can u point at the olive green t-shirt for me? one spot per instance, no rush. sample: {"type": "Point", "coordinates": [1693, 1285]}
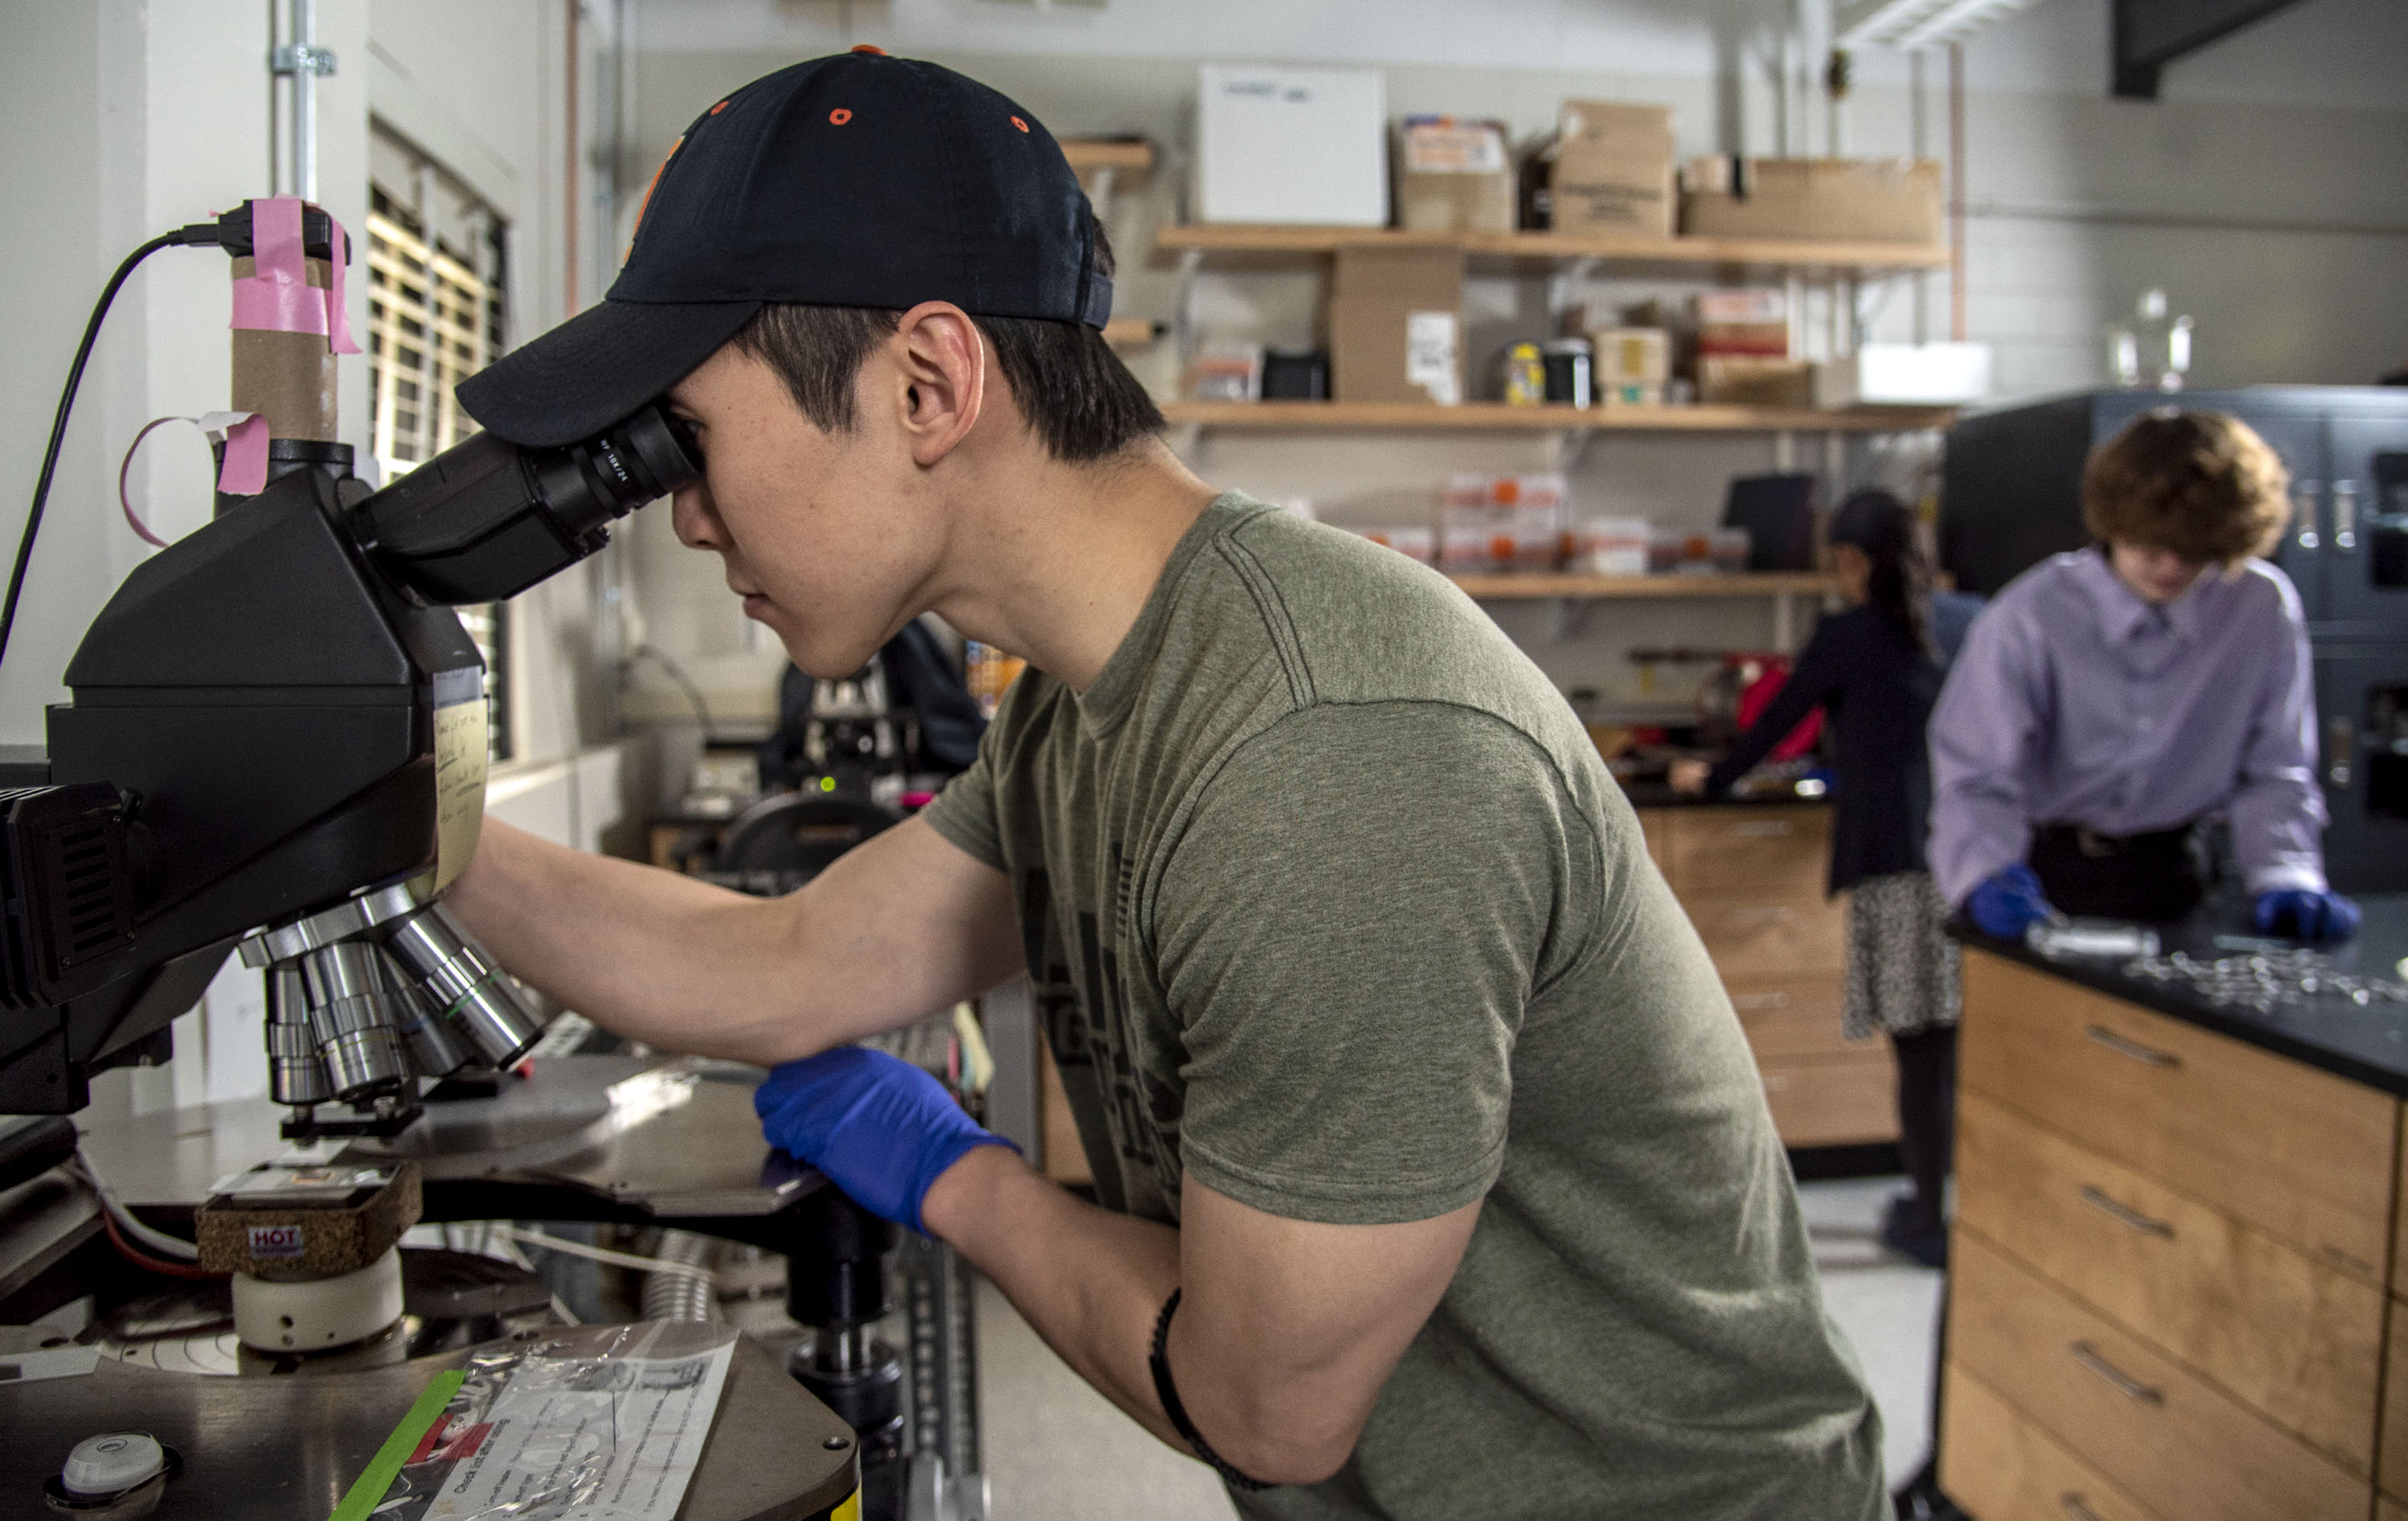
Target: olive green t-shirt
{"type": "Point", "coordinates": [1329, 903]}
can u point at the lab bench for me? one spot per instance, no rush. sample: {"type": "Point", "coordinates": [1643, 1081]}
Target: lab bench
{"type": "Point", "coordinates": [1751, 875]}
{"type": "Point", "coordinates": [2178, 1270]}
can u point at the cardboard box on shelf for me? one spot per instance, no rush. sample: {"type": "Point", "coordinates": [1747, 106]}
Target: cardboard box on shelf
{"type": "Point", "coordinates": [1743, 322]}
{"type": "Point", "coordinates": [1292, 145]}
{"type": "Point", "coordinates": [1737, 382]}
{"type": "Point", "coordinates": [1395, 326]}
{"type": "Point", "coordinates": [1454, 175]}
{"type": "Point", "coordinates": [1905, 375]}
{"type": "Point", "coordinates": [1609, 170]}
{"type": "Point", "coordinates": [1632, 365]}
{"type": "Point", "coordinates": [1864, 200]}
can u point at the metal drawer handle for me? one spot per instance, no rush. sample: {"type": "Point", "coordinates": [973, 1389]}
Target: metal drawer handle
{"type": "Point", "coordinates": [1763, 828]}
{"type": "Point", "coordinates": [2123, 1213]}
{"type": "Point", "coordinates": [1749, 1002]}
{"type": "Point", "coordinates": [2071, 1503]}
{"type": "Point", "coordinates": [2125, 1384]}
{"type": "Point", "coordinates": [1763, 916]}
{"type": "Point", "coordinates": [2133, 1048]}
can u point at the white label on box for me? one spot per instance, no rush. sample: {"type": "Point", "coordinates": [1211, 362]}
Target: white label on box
{"type": "Point", "coordinates": [276, 1240]}
{"type": "Point", "coordinates": [1454, 148]}
{"type": "Point", "coordinates": [1429, 355]}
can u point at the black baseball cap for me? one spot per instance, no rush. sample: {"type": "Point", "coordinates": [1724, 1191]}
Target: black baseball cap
{"type": "Point", "coordinates": [854, 180]}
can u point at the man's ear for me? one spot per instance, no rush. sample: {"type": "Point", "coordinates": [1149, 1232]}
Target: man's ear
{"type": "Point", "coordinates": [940, 384]}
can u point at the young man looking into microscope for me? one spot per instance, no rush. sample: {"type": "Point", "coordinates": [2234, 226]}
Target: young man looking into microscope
{"type": "Point", "coordinates": [1435, 1176]}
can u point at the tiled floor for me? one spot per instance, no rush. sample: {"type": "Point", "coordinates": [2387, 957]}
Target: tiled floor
{"type": "Point", "coordinates": [1055, 1451]}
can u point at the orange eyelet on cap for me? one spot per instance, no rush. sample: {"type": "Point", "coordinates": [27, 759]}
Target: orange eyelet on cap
{"type": "Point", "coordinates": [1020, 124]}
{"type": "Point", "coordinates": [870, 48]}
{"type": "Point", "coordinates": [839, 116]}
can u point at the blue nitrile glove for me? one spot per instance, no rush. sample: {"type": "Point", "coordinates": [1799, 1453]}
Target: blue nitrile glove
{"type": "Point", "coordinates": [2307, 914]}
{"type": "Point", "coordinates": [880, 1129]}
{"type": "Point", "coordinates": [2009, 903]}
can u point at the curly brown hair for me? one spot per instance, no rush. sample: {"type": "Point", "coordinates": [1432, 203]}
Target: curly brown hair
{"type": "Point", "coordinates": [2201, 485]}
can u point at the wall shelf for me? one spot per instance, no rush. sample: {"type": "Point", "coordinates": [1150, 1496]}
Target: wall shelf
{"type": "Point", "coordinates": [1334, 416]}
{"type": "Point", "coordinates": [1533, 584]}
{"type": "Point", "coordinates": [1234, 245]}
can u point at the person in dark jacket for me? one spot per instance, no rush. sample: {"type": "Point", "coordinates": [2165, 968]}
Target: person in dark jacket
{"type": "Point", "coordinates": [1876, 670]}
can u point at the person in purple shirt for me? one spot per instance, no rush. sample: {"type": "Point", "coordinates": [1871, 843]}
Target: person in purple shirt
{"type": "Point", "coordinates": [2112, 699]}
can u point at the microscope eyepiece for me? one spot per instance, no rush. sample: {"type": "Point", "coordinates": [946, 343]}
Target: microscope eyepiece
{"type": "Point", "coordinates": [486, 519]}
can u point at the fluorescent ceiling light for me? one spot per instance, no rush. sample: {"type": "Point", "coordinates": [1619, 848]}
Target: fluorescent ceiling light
{"type": "Point", "coordinates": [1917, 23]}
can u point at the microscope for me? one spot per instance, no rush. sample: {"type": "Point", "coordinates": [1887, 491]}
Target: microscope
{"type": "Point", "coordinates": [275, 748]}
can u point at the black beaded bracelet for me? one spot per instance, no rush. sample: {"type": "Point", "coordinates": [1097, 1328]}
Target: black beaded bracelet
{"type": "Point", "coordinates": [1168, 1392]}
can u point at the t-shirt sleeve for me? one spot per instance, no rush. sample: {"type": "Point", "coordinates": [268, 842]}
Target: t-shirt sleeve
{"type": "Point", "coordinates": [964, 813]}
{"type": "Point", "coordinates": [1348, 930]}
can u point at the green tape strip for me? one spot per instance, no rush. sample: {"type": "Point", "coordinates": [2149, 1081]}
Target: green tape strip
{"type": "Point", "coordinates": [378, 1477]}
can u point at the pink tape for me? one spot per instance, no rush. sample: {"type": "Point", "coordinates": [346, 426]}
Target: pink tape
{"type": "Point", "coordinates": [278, 297]}
{"type": "Point", "coordinates": [245, 471]}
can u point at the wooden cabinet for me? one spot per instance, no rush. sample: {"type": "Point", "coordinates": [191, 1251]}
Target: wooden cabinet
{"type": "Point", "coordinates": [1751, 876]}
{"type": "Point", "coordinates": [2169, 1271]}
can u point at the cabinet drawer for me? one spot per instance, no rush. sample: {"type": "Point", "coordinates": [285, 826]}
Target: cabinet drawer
{"type": "Point", "coordinates": [1795, 1016]}
{"type": "Point", "coordinates": [2283, 1333]}
{"type": "Point", "coordinates": [1831, 1101]}
{"type": "Point", "coordinates": [1769, 936]}
{"type": "Point", "coordinates": [2165, 1436]}
{"type": "Point", "coordinates": [2300, 1153]}
{"type": "Point", "coordinates": [2000, 1467]}
{"type": "Point", "coordinates": [1751, 852]}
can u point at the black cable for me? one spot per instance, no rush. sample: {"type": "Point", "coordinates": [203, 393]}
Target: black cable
{"type": "Point", "coordinates": [198, 233]}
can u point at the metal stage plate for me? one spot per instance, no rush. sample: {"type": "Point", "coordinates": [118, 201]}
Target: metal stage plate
{"type": "Point", "coordinates": [607, 1137]}
{"type": "Point", "coordinates": [286, 1449]}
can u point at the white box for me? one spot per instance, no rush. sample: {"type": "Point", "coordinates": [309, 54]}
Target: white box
{"type": "Point", "coordinates": [1292, 145]}
{"type": "Point", "coordinates": [1905, 375]}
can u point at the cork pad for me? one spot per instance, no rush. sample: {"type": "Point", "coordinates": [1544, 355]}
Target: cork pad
{"type": "Point", "coordinates": [292, 1240]}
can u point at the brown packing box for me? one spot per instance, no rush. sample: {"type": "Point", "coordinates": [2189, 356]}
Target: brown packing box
{"type": "Point", "coordinates": [1864, 200]}
{"type": "Point", "coordinates": [1395, 326]}
{"type": "Point", "coordinates": [1613, 169]}
{"type": "Point", "coordinates": [1756, 383]}
{"type": "Point", "coordinates": [1452, 176]}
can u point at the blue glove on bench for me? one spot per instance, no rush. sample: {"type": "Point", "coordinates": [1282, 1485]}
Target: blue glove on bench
{"type": "Point", "coordinates": [2009, 901]}
{"type": "Point", "coordinates": [880, 1129]}
{"type": "Point", "coordinates": [2307, 914]}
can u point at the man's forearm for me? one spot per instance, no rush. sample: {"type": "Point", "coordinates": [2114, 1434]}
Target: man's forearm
{"type": "Point", "coordinates": [1090, 1282]}
{"type": "Point", "coordinates": [909, 927]}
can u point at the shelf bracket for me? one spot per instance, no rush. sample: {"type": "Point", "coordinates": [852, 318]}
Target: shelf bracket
{"type": "Point", "coordinates": [1567, 280]}
{"type": "Point", "coordinates": [1565, 447]}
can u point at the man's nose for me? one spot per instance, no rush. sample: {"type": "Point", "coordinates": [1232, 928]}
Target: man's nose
{"type": "Point", "coordinates": [693, 518]}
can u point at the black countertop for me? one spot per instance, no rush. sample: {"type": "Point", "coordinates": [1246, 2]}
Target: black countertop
{"type": "Point", "coordinates": [2364, 1042]}
{"type": "Point", "coordinates": [1660, 795]}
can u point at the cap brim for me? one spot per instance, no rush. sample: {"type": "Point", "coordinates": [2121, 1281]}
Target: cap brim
{"type": "Point", "coordinates": [597, 368]}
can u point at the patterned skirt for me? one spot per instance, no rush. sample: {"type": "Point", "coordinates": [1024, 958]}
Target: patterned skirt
{"type": "Point", "coordinates": [1901, 964]}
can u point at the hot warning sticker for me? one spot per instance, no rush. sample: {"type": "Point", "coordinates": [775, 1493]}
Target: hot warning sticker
{"type": "Point", "coordinates": [276, 1240]}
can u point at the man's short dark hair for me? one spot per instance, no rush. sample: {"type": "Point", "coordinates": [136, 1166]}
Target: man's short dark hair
{"type": "Point", "coordinates": [1068, 383]}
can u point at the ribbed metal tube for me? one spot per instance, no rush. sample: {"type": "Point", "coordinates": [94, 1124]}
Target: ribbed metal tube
{"type": "Point", "coordinates": [675, 1295]}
